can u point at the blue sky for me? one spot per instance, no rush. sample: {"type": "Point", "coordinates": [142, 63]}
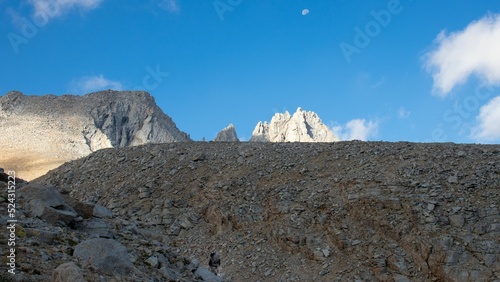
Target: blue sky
{"type": "Point", "coordinates": [424, 71]}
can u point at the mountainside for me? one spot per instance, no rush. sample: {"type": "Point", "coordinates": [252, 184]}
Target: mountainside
{"type": "Point", "coordinates": [41, 132]}
{"type": "Point", "coordinates": [227, 134]}
{"type": "Point", "coordinates": [302, 126]}
{"type": "Point", "coordinates": [342, 211]}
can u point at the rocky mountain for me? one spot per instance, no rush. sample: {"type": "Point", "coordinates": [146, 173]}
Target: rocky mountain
{"type": "Point", "coordinates": [341, 211]}
{"type": "Point", "coordinates": [42, 132]}
{"type": "Point", "coordinates": [227, 134]}
{"type": "Point", "coordinates": [302, 126]}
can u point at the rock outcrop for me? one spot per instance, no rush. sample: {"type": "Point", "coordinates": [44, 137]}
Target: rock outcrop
{"type": "Point", "coordinates": [45, 202]}
{"type": "Point", "coordinates": [302, 126]}
{"type": "Point", "coordinates": [227, 134]}
{"type": "Point", "coordinates": [341, 211]}
{"type": "Point", "coordinates": [41, 132]}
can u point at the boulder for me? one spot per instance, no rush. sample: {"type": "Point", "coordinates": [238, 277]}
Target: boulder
{"type": "Point", "coordinates": [107, 255]}
{"type": "Point", "coordinates": [102, 212]}
{"type": "Point", "coordinates": [68, 272]}
{"type": "Point", "coordinates": [84, 209]}
{"type": "Point", "coordinates": [153, 261]}
{"type": "Point", "coordinates": [206, 275]}
{"type": "Point", "coordinates": [45, 202]}
{"type": "Point", "coordinates": [41, 236]}
{"type": "Point", "coordinates": [170, 274]}
{"type": "Point", "coordinates": [97, 227]}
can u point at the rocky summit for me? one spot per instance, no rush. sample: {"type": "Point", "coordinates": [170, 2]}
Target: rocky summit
{"type": "Point", "coordinates": [341, 211]}
{"type": "Point", "coordinates": [40, 133]}
{"type": "Point", "coordinates": [302, 126]}
{"type": "Point", "coordinates": [227, 134]}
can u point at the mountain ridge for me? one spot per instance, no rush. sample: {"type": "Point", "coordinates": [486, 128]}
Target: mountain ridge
{"type": "Point", "coordinates": [49, 130]}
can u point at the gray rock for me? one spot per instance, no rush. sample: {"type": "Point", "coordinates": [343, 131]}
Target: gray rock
{"type": "Point", "coordinates": [355, 242]}
{"type": "Point", "coordinates": [41, 236]}
{"type": "Point", "coordinates": [199, 156]}
{"type": "Point", "coordinates": [45, 202]}
{"type": "Point", "coordinates": [318, 255]}
{"type": "Point", "coordinates": [41, 196]}
{"type": "Point", "coordinates": [193, 265]}
{"type": "Point", "coordinates": [163, 261]}
{"type": "Point", "coordinates": [227, 134]}
{"type": "Point", "coordinates": [457, 220]}
{"type": "Point", "coordinates": [68, 272]}
{"type": "Point", "coordinates": [175, 228]}
{"type": "Point", "coordinates": [153, 261]}
{"type": "Point", "coordinates": [206, 275]}
{"type": "Point", "coordinates": [108, 255]}
{"type": "Point", "coordinates": [453, 179]}
{"type": "Point", "coordinates": [97, 227]}
{"type": "Point", "coordinates": [44, 256]}
{"type": "Point", "coordinates": [326, 252]}
{"type": "Point", "coordinates": [185, 223]}
{"type": "Point", "coordinates": [400, 278]}
{"type": "Point", "coordinates": [170, 274]}
{"type": "Point", "coordinates": [85, 210]}
{"type": "Point", "coordinates": [102, 212]}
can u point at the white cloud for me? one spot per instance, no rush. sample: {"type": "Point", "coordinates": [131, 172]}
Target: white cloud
{"type": "Point", "coordinates": [89, 84]}
{"type": "Point", "coordinates": [472, 51]}
{"type": "Point", "coordinates": [356, 129]}
{"type": "Point", "coordinates": [488, 128]}
{"type": "Point", "coordinates": [403, 113]}
{"type": "Point", "coordinates": [305, 12]}
{"type": "Point", "coordinates": [49, 9]}
{"type": "Point", "coordinates": [171, 6]}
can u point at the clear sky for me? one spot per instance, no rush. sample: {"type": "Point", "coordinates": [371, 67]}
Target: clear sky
{"type": "Point", "coordinates": [421, 70]}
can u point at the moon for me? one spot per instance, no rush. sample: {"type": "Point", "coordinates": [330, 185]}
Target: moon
{"type": "Point", "coordinates": [305, 12]}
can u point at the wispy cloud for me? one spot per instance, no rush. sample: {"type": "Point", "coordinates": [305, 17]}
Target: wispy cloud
{"type": "Point", "coordinates": [488, 122]}
{"type": "Point", "coordinates": [356, 129]}
{"type": "Point", "coordinates": [458, 55]}
{"type": "Point", "coordinates": [365, 81]}
{"type": "Point", "coordinates": [378, 83]}
{"type": "Point", "coordinates": [171, 6]}
{"type": "Point", "coordinates": [50, 9]}
{"type": "Point", "coordinates": [89, 84]}
{"type": "Point", "coordinates": [403, 113]}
